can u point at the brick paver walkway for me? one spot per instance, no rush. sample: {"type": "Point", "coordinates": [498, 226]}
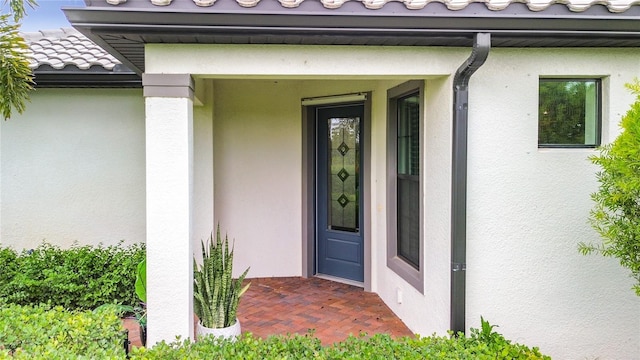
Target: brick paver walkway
{"type": "Point", "coordinates": [296, 305]}
{"type": "Point", "coordinates": [334, 310]}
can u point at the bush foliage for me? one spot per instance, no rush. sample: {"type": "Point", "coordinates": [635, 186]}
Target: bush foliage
{"type": "Point", "coordinates": [82, 277]}
{"type": "Point", "coordinates": [616, 214]}
{"type": "Point", "coordinates": [42, 332]}
{"type": "Point", "coordinates": [481, 344]}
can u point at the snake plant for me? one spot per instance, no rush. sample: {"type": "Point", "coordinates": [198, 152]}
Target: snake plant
{"type": "Point", "coordinates": [215, 292]}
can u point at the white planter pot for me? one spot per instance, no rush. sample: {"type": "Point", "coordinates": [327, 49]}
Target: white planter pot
{"type": "Point", "coordinates": [230, 332]}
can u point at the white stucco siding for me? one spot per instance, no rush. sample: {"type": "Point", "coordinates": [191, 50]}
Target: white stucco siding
{"type": "Point", "coordinates": [257, 141]}
{"type": "Point", "coordinates": [302, 61]}
{"type": "Point", "coordinates": [427, 312]}
{"type": "Point", "coordinates": [203, 207]}
{"type": "Point", "coordinates": [73, 168]}
{"type": "Point", "coordinates": [528, 209]}
{"type": "Point", "coordinates": [257, 166]}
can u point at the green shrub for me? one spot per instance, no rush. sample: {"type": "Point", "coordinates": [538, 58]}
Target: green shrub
{"type": "Point", "coordinates": [7, 271]}
{"type": "Point", "coordinates": [247, 347]}
{"type": "Point", "coordinates": [616, 214]}
{"type": "Point", "coordinates": [82, 277]}
{"type": "Point", "coordinates": [481, 344]}
{"type": "Point", "coordinates": [41, 332]}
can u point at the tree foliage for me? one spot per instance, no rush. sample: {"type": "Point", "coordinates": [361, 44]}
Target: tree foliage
{"type": "Point", "coordinates": [616, 214]}
{"type": "Point", "coordinates": [16, 79]}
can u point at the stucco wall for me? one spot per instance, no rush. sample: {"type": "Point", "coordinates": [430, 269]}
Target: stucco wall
{"type": "Point", "coordinates": [258, 176]}
{"type": "Point", "coordinates": [257, 166]}
{"type": "Point", "coordinates": [72, 169]}
{"type": "Point", "coordinates": [258, 163]}
{"type": "Point", "coordinates": [257, 199]}
{"type": "Point", "coordinates": [426, 312]}
{"type": "Point", "coordinates": [528, 209]}
{"type": "Point", "coordinates": [203, 207]}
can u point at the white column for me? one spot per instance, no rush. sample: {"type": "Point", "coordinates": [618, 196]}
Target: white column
{"type": "Point", "coordinates": [169, 171]}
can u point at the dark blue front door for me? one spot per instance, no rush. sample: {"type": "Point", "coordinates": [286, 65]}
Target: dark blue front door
{"type": "Point", "coordinates": [339, 240]}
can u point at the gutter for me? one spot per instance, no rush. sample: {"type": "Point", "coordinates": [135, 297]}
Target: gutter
{"type": "Point", "coordinates": [96, 76]}
{"type": "Point", "coordinates": [481, 47]}
{"type": "Point", "coordinates": [74, 79]}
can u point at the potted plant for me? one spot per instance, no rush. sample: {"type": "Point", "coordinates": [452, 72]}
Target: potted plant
{"type": "Point", "coordinates": [215, 293]}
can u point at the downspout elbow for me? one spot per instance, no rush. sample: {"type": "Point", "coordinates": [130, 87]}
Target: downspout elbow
{"type": "Point", "coordinates": [479, 54]}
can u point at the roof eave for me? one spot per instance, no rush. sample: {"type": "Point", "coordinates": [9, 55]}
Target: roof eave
{"type": "Point", "coordinates": [124, 31]}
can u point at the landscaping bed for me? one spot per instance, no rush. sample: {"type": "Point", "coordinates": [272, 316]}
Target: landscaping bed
{"type": "Point", "coordinates": [43, 332]}
{"type": "Point", "coordinates": [52, 307]}
{"type": "Point", "coordinates": [380, 346]}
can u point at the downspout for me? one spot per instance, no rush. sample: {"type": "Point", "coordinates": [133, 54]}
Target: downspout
{"type": "Point", "coordinates": [481, 47]}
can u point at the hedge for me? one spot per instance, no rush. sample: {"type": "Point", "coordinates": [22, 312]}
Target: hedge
{"type": "Point", "coordinates": [43, 332]}
{"type": "Point", "coordinates": [481, 344]}
{"type": "Point", "coordinates": [82, 277]}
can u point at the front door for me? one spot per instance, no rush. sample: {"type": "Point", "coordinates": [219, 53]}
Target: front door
{"type": "Point", "coordinates": [339, 191]}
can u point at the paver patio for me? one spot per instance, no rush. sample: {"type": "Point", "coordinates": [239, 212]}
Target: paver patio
{"type": "Point", "coordinates": [296, 305]}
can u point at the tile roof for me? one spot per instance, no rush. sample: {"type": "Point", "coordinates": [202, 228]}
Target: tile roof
{"type": "Point", "coordinates": [67, 49]}
{"type": "Point", "coordinates": [615, 6]}
{"type": "Point", "coordinates": [126, 26]}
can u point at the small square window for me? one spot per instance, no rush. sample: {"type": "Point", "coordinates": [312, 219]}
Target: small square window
{"type": "Point", "coordinates": [569, 113]}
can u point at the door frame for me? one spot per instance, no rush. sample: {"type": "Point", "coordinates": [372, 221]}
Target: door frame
{"type": "Point", "coordinates": [309, 178]}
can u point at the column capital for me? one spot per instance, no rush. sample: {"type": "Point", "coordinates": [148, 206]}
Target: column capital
{"type": "Point", "coordinates": [168, 85]}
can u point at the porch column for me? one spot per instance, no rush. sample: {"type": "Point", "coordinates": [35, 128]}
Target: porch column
{"type": "Point", "coordinates": [169, 171]}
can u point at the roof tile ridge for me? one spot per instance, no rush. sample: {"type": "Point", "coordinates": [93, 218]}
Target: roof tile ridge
{"type": "Point", "coordinates": [614, 6]}
{"type": "Point", "coordinates": [50, 34]}
{"type": "Point", "coordinates": [32, 36]}
{"type": "Point", "coordinates": [619, 6]}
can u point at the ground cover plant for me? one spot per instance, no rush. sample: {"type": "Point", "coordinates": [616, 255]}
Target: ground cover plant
{"type": "Point", "coordinates": [81, 277]}
{"type": "Point", "coordinates": [44, 332]}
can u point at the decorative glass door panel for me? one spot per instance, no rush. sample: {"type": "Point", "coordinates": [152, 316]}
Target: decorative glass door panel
{"type": "Point", "coordinates": [344, 159]}
{"type": "Point", "coordinates": [339, 241]}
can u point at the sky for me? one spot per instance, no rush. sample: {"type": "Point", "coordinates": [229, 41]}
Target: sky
{"type": "Point", "coordinates": [47, 15]}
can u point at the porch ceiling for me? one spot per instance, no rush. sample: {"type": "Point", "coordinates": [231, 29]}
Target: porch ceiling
{"type": "Point", "coordinates": [124, 29]}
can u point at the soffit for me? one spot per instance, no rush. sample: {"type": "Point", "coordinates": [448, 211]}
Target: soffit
{"type": "Point", "coordinates": [125, 27]}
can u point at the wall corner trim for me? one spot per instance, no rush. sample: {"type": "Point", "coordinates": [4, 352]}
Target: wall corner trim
{"type": "Point", "coordinates": [168, 85]}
